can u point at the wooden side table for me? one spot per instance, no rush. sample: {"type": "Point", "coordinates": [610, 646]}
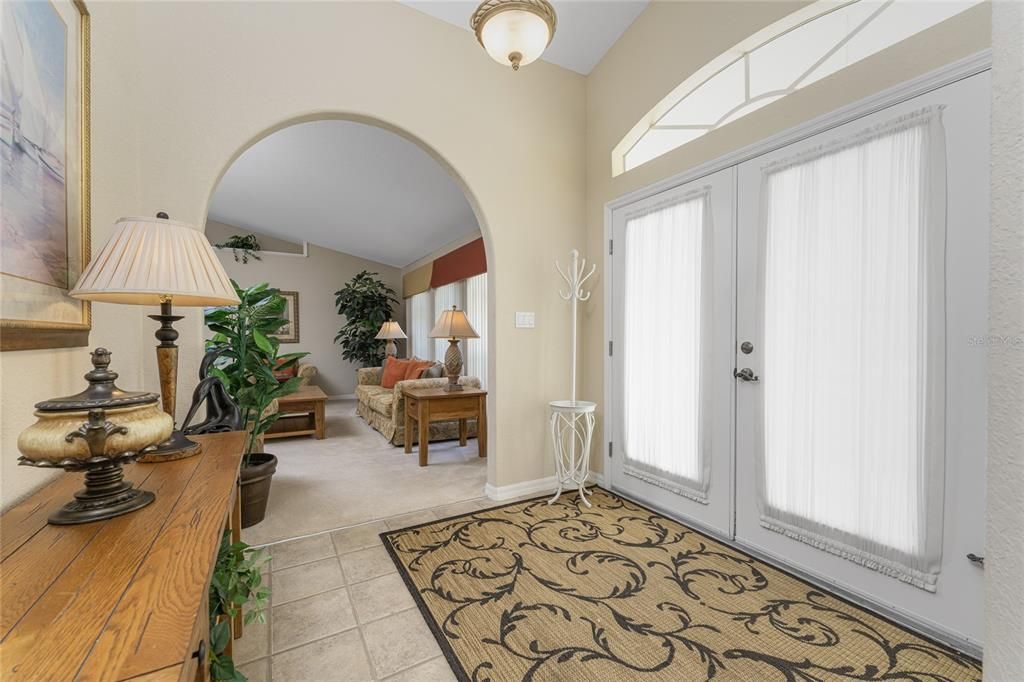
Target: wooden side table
{"type": "Point", "coordinates": [123, 598]}
{"type": "Point", "coordinates": [427, 405]}
{"type": "Point", "coordinates": [302, 414]}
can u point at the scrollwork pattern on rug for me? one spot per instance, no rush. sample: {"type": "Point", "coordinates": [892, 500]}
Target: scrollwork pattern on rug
{"type": "Point", "coordinates": [537, 592]}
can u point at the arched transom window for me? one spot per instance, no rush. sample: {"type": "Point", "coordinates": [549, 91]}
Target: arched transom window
{"type": "Point", "coordinates": [794, 52]}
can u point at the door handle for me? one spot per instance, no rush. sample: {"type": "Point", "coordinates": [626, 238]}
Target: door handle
{"type": "Point", "coordinates": [746, 374]}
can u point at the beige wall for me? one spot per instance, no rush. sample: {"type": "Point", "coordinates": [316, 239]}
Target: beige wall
{"type": "Point", "coordinates": [531, 149]}
{"type": "Point", "coordinates": [27, 377]}
{"type": "Point", "coordinates": [1004, 546]}
{"type": "Point", "coordinates": [170, 120]}
{"type": "Point", "coordinates": [650, 59]}
{"type": "Point", "coordinates": [167, 122]}
{"type": "Point", "coordinates": [316, 277]}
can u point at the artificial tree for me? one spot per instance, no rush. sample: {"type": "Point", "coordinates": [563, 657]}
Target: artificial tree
{"type": "Point", "coordinates": [249, 356]}
{"type": "Point", "coordinates": [367, 303]}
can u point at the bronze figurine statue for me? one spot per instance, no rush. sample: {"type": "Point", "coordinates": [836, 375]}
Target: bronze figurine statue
{"type": "Point", "coordinates": [222, 412]}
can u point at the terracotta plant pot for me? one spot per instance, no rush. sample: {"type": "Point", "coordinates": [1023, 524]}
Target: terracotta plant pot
{"type": "Point", "coordinates": [256, 487]}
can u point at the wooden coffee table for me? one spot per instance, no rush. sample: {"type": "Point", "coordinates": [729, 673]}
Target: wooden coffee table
{"type": "Point", "coordinates": [427, 405]}
{"type": "Point", "coordinates": [302, 414]}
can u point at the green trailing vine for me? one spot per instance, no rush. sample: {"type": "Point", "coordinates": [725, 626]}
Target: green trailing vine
{"type": "Point", "coordinates": [245, 244]}
{"type": "Point", "coordinates": [237, 581]}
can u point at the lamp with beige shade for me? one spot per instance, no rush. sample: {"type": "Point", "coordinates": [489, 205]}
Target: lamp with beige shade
{"type": "Point", "coordinates": [390, 331]}
{"type": "Point", "coordinates": [453, 325]}
{"type": "Point", "coordinates": [156, 261]}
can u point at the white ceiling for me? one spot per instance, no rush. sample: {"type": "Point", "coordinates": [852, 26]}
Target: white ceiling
{"type": "Point", "coordinates": [346, 186]}
{"type": "Point", "coordinates": [585, 29]}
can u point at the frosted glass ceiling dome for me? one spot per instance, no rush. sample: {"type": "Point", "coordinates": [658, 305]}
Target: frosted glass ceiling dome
{"type": "Point", "coordinates": [514, 32]}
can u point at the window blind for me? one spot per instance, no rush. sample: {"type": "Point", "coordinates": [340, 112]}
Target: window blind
{"type": "Point", "coordinates": [476, 310]}
{"type": "Point", "coordinates": [421, 321]}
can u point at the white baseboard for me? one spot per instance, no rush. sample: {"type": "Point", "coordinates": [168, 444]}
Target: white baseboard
{"type": "Point", "coordinates": [539, 485]}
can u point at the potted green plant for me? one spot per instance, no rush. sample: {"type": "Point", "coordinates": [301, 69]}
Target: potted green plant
{"type": "Point", "coordinates": [237, 580]}
{"type": "Point", "coordinates": [249, 356]}
{"type": "Point", "coordinates": [367, 303]}
{"type": "Point", "coordinates": [247, 244]}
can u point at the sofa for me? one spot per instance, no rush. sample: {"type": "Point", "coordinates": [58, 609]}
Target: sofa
{"type": "Point", "coordinates": [384, 408]}
{"type": "Point", "coordinates": [306, 371]}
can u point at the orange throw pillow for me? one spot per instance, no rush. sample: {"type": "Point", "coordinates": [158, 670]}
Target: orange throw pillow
{"type": "Point", "coordinates": [416, 368]}
{"type": "Point", "coordinates": [394, 371]}
{"type": "Point", "coordinates": [284, 375]}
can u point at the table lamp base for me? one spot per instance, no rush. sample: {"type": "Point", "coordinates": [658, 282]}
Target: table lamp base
{"type": "Point", "coordinates": [177, 446]}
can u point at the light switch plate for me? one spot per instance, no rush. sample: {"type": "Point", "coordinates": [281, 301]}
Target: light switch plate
{"type": "Point", "coordinates": [526, 320]}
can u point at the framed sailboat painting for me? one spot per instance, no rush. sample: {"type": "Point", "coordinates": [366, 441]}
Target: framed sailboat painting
{"type": "Point", "coordinates": [44, 156]}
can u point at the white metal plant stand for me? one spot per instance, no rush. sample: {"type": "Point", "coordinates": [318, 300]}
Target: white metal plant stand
{"type": "Point", "coordinates": [572, 421]}
{"type": "Point", "coordinates": [572, 426]}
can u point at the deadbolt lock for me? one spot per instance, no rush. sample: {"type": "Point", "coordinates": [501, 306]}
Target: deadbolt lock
{"type": "Point", "coordinates": [747, 347]}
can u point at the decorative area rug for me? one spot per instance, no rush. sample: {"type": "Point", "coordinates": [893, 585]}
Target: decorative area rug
{"type": "Point", "coordinates": [617, 592]}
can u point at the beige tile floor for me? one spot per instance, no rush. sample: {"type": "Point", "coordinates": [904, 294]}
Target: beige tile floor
{"type": "Point", "coordinates": [354, 476]}
{"type": "Point", "coordinates": [340, 611]}
{"type": "Point", "coordinates": [338, 608]}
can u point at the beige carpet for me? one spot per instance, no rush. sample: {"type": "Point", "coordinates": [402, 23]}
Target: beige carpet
{"type": "Point", "coordinates": [529, 591]}
{"type": "Point", "coordinates": [354, 475]}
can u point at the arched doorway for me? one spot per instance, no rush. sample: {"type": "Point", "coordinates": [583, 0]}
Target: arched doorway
{"type": "Point", "coordinates": [283, 528]}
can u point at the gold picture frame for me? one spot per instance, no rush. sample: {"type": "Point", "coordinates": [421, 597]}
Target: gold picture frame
{"type": "Point", "coordinates": [35, 311]}
{"type": "Point", "coordinates": [290, 332]}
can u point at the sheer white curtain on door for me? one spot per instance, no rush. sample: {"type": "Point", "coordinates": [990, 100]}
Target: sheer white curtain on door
{"type": "Point", "coordinates": [421, 321]}
{"type": "Point", "coordinates": [666, 347]}
{"type": "Point", "coordinates": [475, 350]}
{"type": "Point", "coordinates": [444, 298]}
{"type": "Point", "coordinates": [851, 424]}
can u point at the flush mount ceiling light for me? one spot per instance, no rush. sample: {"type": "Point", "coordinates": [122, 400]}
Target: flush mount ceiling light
{"type": "Point", "coordinates": [514, 32]}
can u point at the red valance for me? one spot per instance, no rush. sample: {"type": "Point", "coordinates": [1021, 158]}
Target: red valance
{"type": "Point", "coordinates": [466, 261]}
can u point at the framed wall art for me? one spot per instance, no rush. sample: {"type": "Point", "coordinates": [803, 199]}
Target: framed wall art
{"type": "Point", "coordinates": [289, 333]}
{"type": "Point", "coordinates": [44, 155]}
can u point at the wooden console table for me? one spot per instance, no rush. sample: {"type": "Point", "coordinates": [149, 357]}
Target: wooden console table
{"type": "Point", "coordinates": [125, 598]}
{"type": "Point", "coordinates": [427, 405]}
{"type": "Point", "coordinates": [302, 414]}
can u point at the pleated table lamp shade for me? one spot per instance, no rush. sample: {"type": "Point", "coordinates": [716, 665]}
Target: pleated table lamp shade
{"type": "Point", "coordinates": [390, 330]}
{"type": "Point", "coordinates": [155, 261]}
{"type": "Point", "coordinates": [148, 260]}
{"type": "Point", "coordinates": [453, 324]}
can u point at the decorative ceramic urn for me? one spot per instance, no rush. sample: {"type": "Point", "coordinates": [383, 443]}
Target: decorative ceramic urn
{"type": "Point", "coordinates": [96, 431]}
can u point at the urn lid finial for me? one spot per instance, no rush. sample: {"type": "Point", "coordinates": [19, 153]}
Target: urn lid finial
{"type": "Point", "coordinates": [102, 392]}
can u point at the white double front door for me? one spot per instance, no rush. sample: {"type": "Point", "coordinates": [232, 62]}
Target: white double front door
{"type": "Point", "coordinates": [797, 355]}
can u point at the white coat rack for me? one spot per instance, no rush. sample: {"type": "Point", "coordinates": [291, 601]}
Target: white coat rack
{"type": "Point", "coordinates": [572, 421]}
{"type": "Point", "coordinates": [574, 294]}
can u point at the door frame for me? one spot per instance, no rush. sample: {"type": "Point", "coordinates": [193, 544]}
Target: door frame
{"type": "Point", "coordinates": [933, 80]}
